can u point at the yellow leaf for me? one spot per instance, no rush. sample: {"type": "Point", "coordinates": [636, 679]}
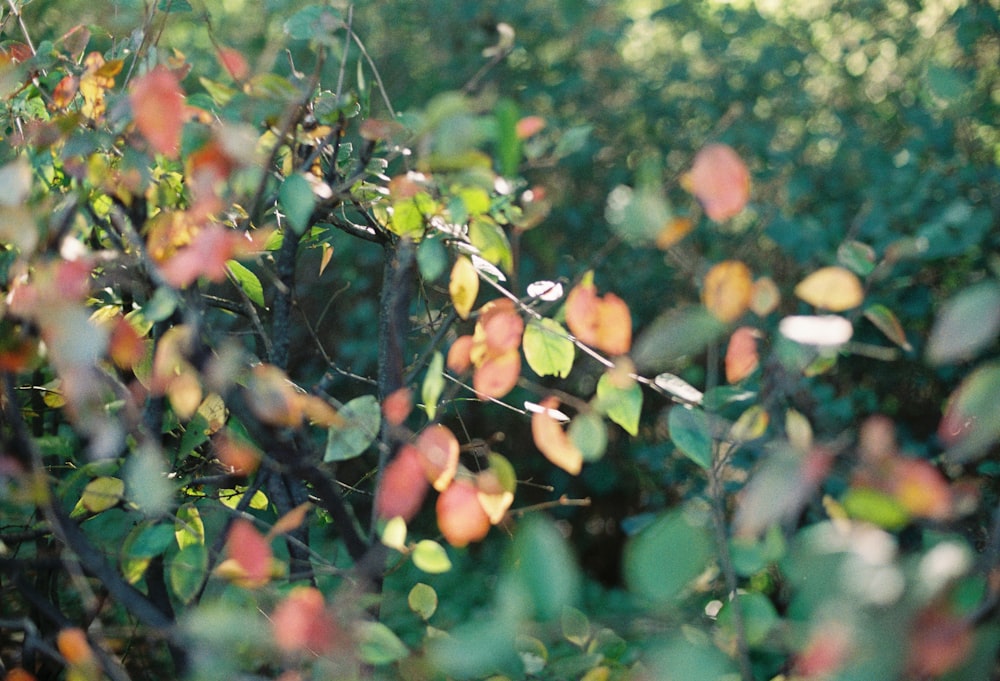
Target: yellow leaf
{"type": "Point", "coordinates": [463, 286]}
{"type": "Point", "coordinates": [727, 289]}
{"type": "Point", "coordinates": [100, 494]}
{"type": "Point", "coordinates": [832, 288]}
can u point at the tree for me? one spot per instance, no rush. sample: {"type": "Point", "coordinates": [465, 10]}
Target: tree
{"type": "Point", "coordinates": [276, 357]}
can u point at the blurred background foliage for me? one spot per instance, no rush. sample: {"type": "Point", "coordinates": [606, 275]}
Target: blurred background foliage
{"type": "Point", "coordinates": [872, 122]}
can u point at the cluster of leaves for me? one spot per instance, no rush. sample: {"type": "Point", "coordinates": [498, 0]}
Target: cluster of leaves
{"type": "Point", "coordinates": [182, 483]}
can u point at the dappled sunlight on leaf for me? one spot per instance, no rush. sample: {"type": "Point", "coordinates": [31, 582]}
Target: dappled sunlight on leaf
{"type": "Point", "coordinates": [463, 286]}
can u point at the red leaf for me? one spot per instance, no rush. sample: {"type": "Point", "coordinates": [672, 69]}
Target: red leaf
{"type": "Point", "coordinates": [720, 181]}
{"type": "Point", "coordinates": [158, 107]}
{"type": "Point", "coordinates": [251, 552]}
{"type": "Point", "coordinates": [459, 355]}
{"type": "Point", "coordinates": [205, 256]}
{"type": "Point", "coordinates": [403, 486]}
{"type": "Point", "coordinates": [741, 354]}
{"type": "Point", "coordinates": [529, 126]}
{"type": "Point", "coordinates": [498, 375]}
{"type": "Point", "coordinates": [234, 63]}
{"type": "Point", "coordinates": [125, 346]}
{"type": "Point", "coordinates": [460, 516]}
{"type": "Point", "coordinates": [500, 326]}
{"type": "Point", "coordinates": [65, 91]}
{"type": "Point", "coordinates": [397, 406]}
{"type": "Point", "coordinates": [302, 623]}
{"type": "Point", "coordinates": [604, 323]}
{"type": "Point", "coordinates": [439, 449]}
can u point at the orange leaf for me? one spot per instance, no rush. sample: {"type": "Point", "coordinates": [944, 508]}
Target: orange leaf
{"type": "Point", "coordinates": [494, 499]}
{"type": "Point", "coordinates": [676, 229]}
{"type": "Point", "coordinates": [720, 181]}
{"type": "Point", "coordinates": [65, 91]}
{"type": "Point", "coordinates": [552, 441]}
{"type": "Point", "coordinates": [604, 323]}
{"type": "Point", "coordinates": [251, 552]}
{"type": "Point", "coordinates": [499, 326]}
{"type": "Point", "coordinates": [615, 327]}
{"type": "Point", "coordinates": [439, 450]}
{"type": "Point", "coordinates": [920, 488]}
{"type": "Point", "coordinates": [832, 288]}
{"type": "Point", "coordinates": [234, 63]}
{"type": "Point", "coordinates": [73, 646]}
{"type": "Point", "coordinates": [497, 375]}
{"type": "Point", "coordinates": [273, 398]}
{"type": "Point", "coordinates": [397, 406]}
{"type": "Point", "coordinates": [583, 316]}
{"type": "Point", "coordinates": [529, 126]}
{"type": "Point", "coordinates": [302, 623]}
{"type": "Point", "coordinates": [289, 522]}
{"type": "Point", "coordinates": [158, 107]}
{"type": "Point", "coordinates": [236, 455]}
{"type": "Point", "coordinates": [463, 286]}
{"type": "Point", "coordinates": [741, 354]}
{"type": "Point", "coordinates": [403, 486]}
{"type": "Point", "coordinates": [727, 289]}
{"type": "Point", "coordinates": [460, 516]}
{"type": "Point", "coordinates": [459, 355]}
{"type": "Point", "coordinates": [125, 346]}
{"type": "Point", "coordinates": [19, 674]}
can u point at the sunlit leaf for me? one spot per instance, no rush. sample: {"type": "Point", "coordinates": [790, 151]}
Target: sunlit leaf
{"type": "Point", "coordinates": [494, 495]}
{"type": "Point", "coordinates": [751, 424]}
{"type": "Point", "coordinates": [966, 324]}
{"type": "Point", "coordinates": [798, 430]}
{"type": "Point", "coordinates": [886, 321]}
{"type": "Point", "coordinates": [433, 385]}
{"type": "Point", "coordinates": [720, 180]}
{"type": "Point", "coordinates": [621, 403]}
{"type": "Point", "coordinates": [438, 451]}
{"type": "Point", "coordinates": [394, 533]}
{"type": "Point", "coordinates": [666, 556]}
{"type": "Point", "coordinates": [742, 358]}
{"type": "Point", "coordinates": [188, 526]}
{"type": "Point", "coordinates": [820, 331]}
{"type": "Point", "coordinates": [547, 349]}
{"type": "Point", "coordinates": [545, 290]}
{"type": "Point", "coordinates": [831, 288]}
{"type": "Point", "coordinates": [691, 434]}
{"type": "Point", "coordinates": [247, 281]}
{"type": "Point", "coordinates": [552, 441]}
{"type": "Point", "coordinates": [362, 419]}
{"type": "Point", "coordinates": [99, 495]}
{"type": "Point", "coordinates": [602, 322]}
{"type": "Point", "coordinates": [460, 516]}
{"type": "Point", "coordinates": [297, 201]}
{"type": "Point", "coordinates": [489, 238]}
{"type": "Point", "coordinates": [430, 557]}
{"type": "Point", "coordinates": [726, 290]}
{"type": "Point", "coordinates": [460, 355]}
{"type": "Point", "coordinates": [678, 388]}
{"type": "Point", "coordinates": [463, 286]}
{"type": "Point", "coordinates": [423, 600]}
{"type": "Point", "coordinates": [158, 109]}
{"type": "Point", "coordinates": [878, 508]}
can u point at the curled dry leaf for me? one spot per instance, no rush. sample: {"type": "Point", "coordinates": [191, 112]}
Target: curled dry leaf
{"type": "Point", "coordinates": [719, 179]}
{"type": "Point", "coordinates": [552, 441]}
{"type": "Point", "coordinates": [727, 289]}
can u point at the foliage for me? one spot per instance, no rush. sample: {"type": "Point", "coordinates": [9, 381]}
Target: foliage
{"type": "Point", "coordinates": [290, 305]}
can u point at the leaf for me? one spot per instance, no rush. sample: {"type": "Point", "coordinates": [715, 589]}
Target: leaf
{"type": "Point", "coordinates": [764, 297]}
{"type": "Point", "coordinates": [377, 645]}
{"type": "Point", "coordinates": [460, 355]}
{"type": "Point", "coordinates": [396, 407]}
{"type": "Point", "coordinates": [491, 241]}
{"type": "Point", "coordinates": [432, 259]}
{"type": "Point", "coordinates": [99, 495]}
{"type": "Point", "coordinates": [726, 290]}
{"type": "Point", "coordinates": [298, 201]}
{"type": "Point", "coordinates": [970, 424]}
{"type": "Point", "coordinates": [831, 288]}
{"type": "Point", "coordinates": [543, 568]}
{"type": "Point", "coordinates": [623, 405]}
{"type": "Point", "coordinates": [857, 257]}
{"type": "Point", "coordinates": [875, 507]}
{"type": "Point", "coordinates": [691, 434]}
{"type": "Point", "coordinates": [965, 324]}
{"type": "Point", "coordinates": [673, 232]}
{"type": "Point", "coordinates": [666, 556]}
{"type": "Point", "coordinates": [362, 419]}
{"type": "Point", "coordinates": [552, 440]}
{"type": "Point", "coordinates": [302, 622]}
{"type": "Point", "coordinates": [589, 434]}
{"type": "Point", "coordinates": [188, 526]}
{"type": "Point", "coordinates": [602, 322]}
{"type": "Point", "coordinates": [719, 179]}
{"type": "Point", "coordinates": [822, 331]}
{"type": "Point", "coordinates": [886, 321]}
{"type": "Point", "coordinates": [431, 557]}
{"type": "Point", "coordinates": [742, 358]}
{"type": "Point", "coordinates": [247, 281]}
{"type": "Point", "coordinates": [678, 388]}
{"type": "Point", "coordinates": [460, 517]}
{"type": "Point", "coordinates": [290, 522]}
{"type": "Point", "coordinates": [575, 627]}
{"type": "Point", "coordinates": [233, 62]}
{"type": "Point", "coordinates": [759, 617]}
{"type": "Point", "coordinates": [151, 540]}
{"type": "Point", "coordinates": [158, 109]}
{"type": "Point", "coordinates": [676, 335]}
{"type": "Point", "coordinates": [393, 534]}
{"type": "Point", "coordinates": [463, 286]}
{"type": "Point", "coordinates": [546, 290]}
{"type": "Point", "coordinates": [433, 385]}
{"type": "Point", "coordinates": [251, 553]}
{"type": "Point", "coordinates": [751, 425]}
{"type": "Point", "coordinates": [187, 571]}
{"type": "Point", "coordinates": [547, 348]}
{"type": "Point", "coordinates": [423, 600]}
{"type": "Point", "coordinates": [438, 449]}
{"type": "Point", "coordinates": [498, 375]}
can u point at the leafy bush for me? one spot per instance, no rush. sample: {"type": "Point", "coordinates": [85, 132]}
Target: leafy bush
{"type": "Point", "coordinates": [276, 357]}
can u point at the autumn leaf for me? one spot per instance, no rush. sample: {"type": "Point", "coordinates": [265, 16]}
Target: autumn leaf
{"type": "Point", "coordinates": [674, 230]}
{"type": "Point", "coordinates": [273, 398]}
{"type": "Point", "coordinates": [460, 516]}
{"type": "Point", "coordinates": [727, 290]}
{"type": "Point", "coordinates": [719, 179]}
{"type": "Point", "coordinates": [764, 297]}
{"type": "Point", "coordinates": [403, 487]}
{"type": "Point", "coordinates": [234, 63]}
{"type": "Point", "coordinates": [463, 286]}
{"type": "Point", "coordinates": [74, 647]}
{"type": "Point", "coordinates": [552, 441]}
{"type": "Point", "coordinates": [497, 375]}
{"type": "Point", "coordinates": [250, 552]}
{"type": "Point", "coordinates": [529, 126]}
{"type": "Point", "coordinates": [831, 288]}
{"type": "Point", "coordinates": [397, 406]}
{"type": "Point", "coordinates": [97, 78]}
{"type": "Point", "coordinates": [301, 622]}
{"type": "Point", "coordinates": [289, 522]}
{"type": "Point", "coordinates": [459, 355]}
{"type": "Point", "coordinates": [604, 323]}
{"type": "Point", "coordinates": [499, 327]}
{"type": "Point", "coordinates": [158, 109]}
{"type": "Point", "coordinates": [438, 449]}
{"type": "Point", "coordinates": [741, 354]}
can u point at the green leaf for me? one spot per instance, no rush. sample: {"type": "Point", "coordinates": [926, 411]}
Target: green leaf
{"type": "Point", "coordinates": [408, 217]}
{"type": "Point", "coordinates": [875, 507]}
{"type": "Point", "coordinates": [161, 305]}
{"type": "Point", "coordinates": [423, 600]}
{"type": "Point", "coordinates": [297, 201]}
{"type": "Point", "coordinates": [377, 644]}
{"type": "Point", "coordinates": [965, 324]}
{"type": "Point", "coordinates": [151, 541]}
{"type": "Point", "coordinates": [970, 422]}
{"type": "Point", "coordinates": [431, 557]}
{"type": "Point", "coordinates": [220, 93]}
{"type": "Point", "coordinates": [489, 238]}
{"type": "Point", "coordinates": [690, 660]}
{"type": "Point", "coordinates": [638, 215]}
{"type": "Point", "coordinates": [547, 349]}
{"type": "Point", "coordinates": [857, 257]}
{"type": "Point", "coordinates": [189, 530]}
{"type": "Point", "coordinates": [247, 281]}
{"type": "Point", "coordinates": [543, 569]}
{"type": "Point", "coordinates": [589, 434]}
{"type": "Point", "coordinates": [314, 22]}
{"type": "Point", "coordinates": [759, 617]}
{"type": "Point", "coordinates": [575, 627]}
{"type": "Point", "coordinates": [432, 259]}
{"type": "Point", "coordinates": [622, 405]}
{"type": "Point", "coordinates": [430, 391]}
{"type": "Point", "coordinates": [885, 321]}
{"type": "Point", "coordinates": [508, 145]}
{"type": "Point", "coordinates": [675, 335]}
{"type": "Point", "coordinates": [187, 571]}
{"type": "Point", "coordinates": [691, 434]}
{"type": "Point", "coordinates": [394, 533]}
{"type": "Point", "coordinates": [666, 556]}
{"type": "Point", "coordinates": [174, 6]}
{"type": "Point", "coordinates": [362, 420]}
